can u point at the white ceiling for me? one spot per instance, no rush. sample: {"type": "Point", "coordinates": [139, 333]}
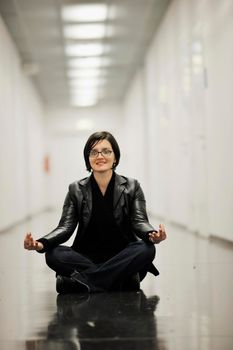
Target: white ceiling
{"type": "Point", "coordinates": [37, 29]}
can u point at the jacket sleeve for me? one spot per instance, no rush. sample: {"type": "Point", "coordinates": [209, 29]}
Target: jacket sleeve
{"type": "Point", "coordinates": [139, 219]}
{"type": "Point", "coordinates": [65, 228]}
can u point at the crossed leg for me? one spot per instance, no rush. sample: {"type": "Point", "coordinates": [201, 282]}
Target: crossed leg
{"type": "Point", "coordinates": [135, 258]}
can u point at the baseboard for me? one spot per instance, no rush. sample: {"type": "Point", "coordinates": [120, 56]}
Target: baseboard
{"type": "Point", "coordinates": [223, 241]}
{"type": "Point", "coordinates": [26, 218]}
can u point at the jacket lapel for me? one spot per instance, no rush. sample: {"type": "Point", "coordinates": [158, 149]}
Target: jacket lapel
{"type": "Point", "coordinates": [118, 189]}
{"type": "Point", "coordinates": [85, 185]}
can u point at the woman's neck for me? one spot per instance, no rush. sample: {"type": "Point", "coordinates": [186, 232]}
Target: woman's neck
{"type": "Point", "coordinates": [103, 179]}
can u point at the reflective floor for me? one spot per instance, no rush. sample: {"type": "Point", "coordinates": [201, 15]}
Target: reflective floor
{"type": "Point", "coordinates": [189, 306]}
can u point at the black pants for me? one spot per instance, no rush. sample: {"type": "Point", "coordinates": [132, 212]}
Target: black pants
{"type": "Point", "coordinates": [135, 258]}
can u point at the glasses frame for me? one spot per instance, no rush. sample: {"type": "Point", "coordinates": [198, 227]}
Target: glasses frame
{"type": "Point", "coordinates": [101, 152]}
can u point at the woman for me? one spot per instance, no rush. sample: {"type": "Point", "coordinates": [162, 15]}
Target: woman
{"type": "Point", "coordinates": [114, 245]}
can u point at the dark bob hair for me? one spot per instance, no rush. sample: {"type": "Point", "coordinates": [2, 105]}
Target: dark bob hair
{"type": "Point", "coordinates": [94, 139]}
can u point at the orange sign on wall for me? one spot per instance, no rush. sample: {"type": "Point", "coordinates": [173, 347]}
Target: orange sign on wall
{"type": "Point", "coordinates": [46, 164]}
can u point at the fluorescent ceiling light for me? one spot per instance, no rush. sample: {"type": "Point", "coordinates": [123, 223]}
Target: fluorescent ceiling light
{"type": "Point", "coordinates": [77, 73]}
{"type": "Point", "coordinates": [84, 49]}
{"type": "Point", "coordinates": [90, 62]}
{"type": "Point", "coordinates": [84, 88]}
{"type": "Point", "coordinates": [89, 103]}
{"type": "Point", "coordinates": [82, 101]}
{"type": "Point", "coordinates": [84, 83]}
{"type": "Point", "coordinates": [84, 31]}
{"type": "Point", "coordinates": [88, 94]}
{"type": "Point", "coordinates": [84, 13]}
{"type": "Point", "coordinates": [85, 92]}
{"type": "Point", "coordinates": [84, 73]}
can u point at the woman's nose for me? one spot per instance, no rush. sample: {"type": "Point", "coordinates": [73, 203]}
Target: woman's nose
{"type": "Point", "coordinates": [100, 154]}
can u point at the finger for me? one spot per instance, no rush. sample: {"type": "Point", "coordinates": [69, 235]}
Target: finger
{"type": "Point", "coordinates": [154, 235]}
{"type": "Point", "coordinates": [151, 236]}
{"type": "Point", "coordinates": [152, 240]}
{"type": "Point", "coordinates": [161, 226]}
{"type": "Point", "coordinates": [162, 233]}
{"type": "Point", "coordinates": [155, 238]}
{"type": "Point", "coordinates": [27, 236]}
{"type": "Point", "coordinates": [34, 244]}
{"type": "Point", "coordinates": [26, 245]}
{"type": "Point", "coordinates": [26, 239]}
{"type": "Point", "coordinates": [30, 244]}
{"type": "Point", "coordinates": [31, 247]}
{"type": "Point", "coordinates": [163, 236]}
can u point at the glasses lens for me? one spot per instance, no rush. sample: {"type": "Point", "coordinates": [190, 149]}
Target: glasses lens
{"type": "Point", "coordinates": [106, 152]}
{"type": "Point", "coordinates": [93, 153]}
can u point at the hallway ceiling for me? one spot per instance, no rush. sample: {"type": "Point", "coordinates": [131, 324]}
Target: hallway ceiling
{"type": "Point", "coordinates": [85, 59]}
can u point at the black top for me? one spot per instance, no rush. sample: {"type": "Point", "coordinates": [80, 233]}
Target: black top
{"type": "Point", "coordinates": [102, 239]}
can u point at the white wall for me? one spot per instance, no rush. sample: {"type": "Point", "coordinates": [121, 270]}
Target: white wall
{"type": "Point", "coordinates": [174, 127]}
{"type": "Point", "coordinates": [219, 117]}
{"type": "Point", "coordinates": [68, 130]}
{"type": "Point", "coordinates": [132, 136]}
{"type": "Point", "coordinates": [22, 184]}
{"type": "Point", "coordinates": [186, 110]}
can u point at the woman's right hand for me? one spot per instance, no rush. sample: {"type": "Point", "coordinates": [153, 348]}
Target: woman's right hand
{"type": "Point", "coordinates": [31, 244]}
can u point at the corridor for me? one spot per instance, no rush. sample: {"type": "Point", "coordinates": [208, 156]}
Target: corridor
{"type": "Point", "coordinates": [187, 307]}
{"type": "Point", "coordinates": [158, 76]}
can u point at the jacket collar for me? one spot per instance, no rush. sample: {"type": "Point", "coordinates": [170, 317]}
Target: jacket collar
{"type": "Point", "coordinates": [119, 187]}
{"type": "Point", "coordinates": [85, 185]}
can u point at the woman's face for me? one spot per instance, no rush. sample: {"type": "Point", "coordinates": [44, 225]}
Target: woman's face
{"type": "Point", "coordinates": [102, 162]}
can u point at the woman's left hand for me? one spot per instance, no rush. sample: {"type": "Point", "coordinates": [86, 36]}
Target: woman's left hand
{"type": "Point", "coordinates": [157, 237]}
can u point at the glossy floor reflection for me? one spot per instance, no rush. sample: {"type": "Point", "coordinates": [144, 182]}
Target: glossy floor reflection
{"type": "Point", "coordinates": [189, 306]}
{"type": "Point", "coordinates": [103, 321]}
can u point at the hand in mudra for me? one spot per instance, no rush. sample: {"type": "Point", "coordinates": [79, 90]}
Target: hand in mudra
{"type": "Point", "coordinates": [157, 237]}
{"type": "Point", "coordinates": [31, 244]}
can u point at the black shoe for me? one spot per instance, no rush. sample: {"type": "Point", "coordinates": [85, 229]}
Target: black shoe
{"type": "Point", "coordinates": [65, 285]}
{"type": "Point", "coordinates": [132, 283]}
{"type": "Point", "coordinates": [80, 280]}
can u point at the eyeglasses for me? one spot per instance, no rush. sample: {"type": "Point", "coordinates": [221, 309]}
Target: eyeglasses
{"type": "Point", "coordinates": [105, 153]}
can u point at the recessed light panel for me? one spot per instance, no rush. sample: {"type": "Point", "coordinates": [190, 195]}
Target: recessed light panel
{"type": "Point", "coordinates": [84, 49]}
{"type": "Point", "coordinates": [84, 13]}
{"type": "Point", "coordinates": [84, 31]}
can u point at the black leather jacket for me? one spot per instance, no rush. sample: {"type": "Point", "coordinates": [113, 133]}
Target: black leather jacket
{"type": "Point", "coordinates": [129, 210]}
